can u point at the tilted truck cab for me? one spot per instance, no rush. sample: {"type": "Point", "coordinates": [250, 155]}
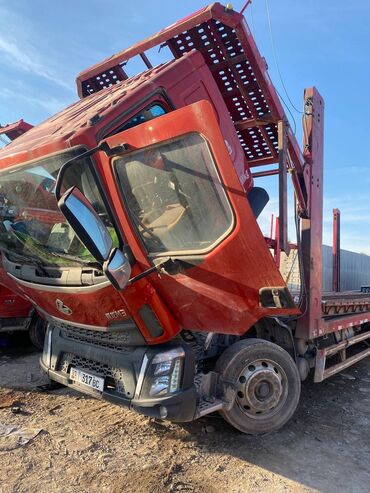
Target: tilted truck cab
{"type": "Point", "coordinates": [154, 176]}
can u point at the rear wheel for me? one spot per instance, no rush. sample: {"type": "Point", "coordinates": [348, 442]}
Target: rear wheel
{"type": "Point", "coordinates": [267, 385]}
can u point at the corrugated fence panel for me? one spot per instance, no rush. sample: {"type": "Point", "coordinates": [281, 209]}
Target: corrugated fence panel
{"type": "Point", "coordinates": [327, 268]}
{"type": "Point", "coordinates": [355, 270]}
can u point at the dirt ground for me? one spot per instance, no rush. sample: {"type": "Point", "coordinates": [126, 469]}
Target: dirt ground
{"type": "Point", "coordinates": [90, 446]}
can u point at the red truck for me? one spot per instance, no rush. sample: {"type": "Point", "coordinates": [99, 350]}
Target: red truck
{"type": "Point", "coordinates": [16, 313]}
{"type": "Point", "coordinates": [138, 237]}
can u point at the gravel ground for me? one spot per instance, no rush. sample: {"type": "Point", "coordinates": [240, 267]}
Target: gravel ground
{"type": "Point", "coordinates": [90, 446]}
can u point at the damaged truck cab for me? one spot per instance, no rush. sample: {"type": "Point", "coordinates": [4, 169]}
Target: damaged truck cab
{"type": "Point", "coordinates": [136, 232]}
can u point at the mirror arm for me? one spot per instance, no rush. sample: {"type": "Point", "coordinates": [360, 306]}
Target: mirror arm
{"type": "Point", "coordinates": [157, 267]}
{"type": "Point", "coordinates": [142, 275]}
{"type": "Point", "coordinates": [103, 146]}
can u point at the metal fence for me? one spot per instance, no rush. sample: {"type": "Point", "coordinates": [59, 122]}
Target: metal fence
{"type": "Point", "coordinates": [354, 270]}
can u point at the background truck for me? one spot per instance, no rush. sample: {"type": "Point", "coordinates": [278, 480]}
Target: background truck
{"type": "Point", "coordinates": [138, 239]}
{"type": "Point", "coordinates": [16, 313]}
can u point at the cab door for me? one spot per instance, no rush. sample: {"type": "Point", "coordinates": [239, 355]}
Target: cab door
{"type": "Point", "coordinates": [177, 196]}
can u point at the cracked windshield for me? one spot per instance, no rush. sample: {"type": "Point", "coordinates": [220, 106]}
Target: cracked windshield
{"type": "Point", "coordinates": [31, 226]}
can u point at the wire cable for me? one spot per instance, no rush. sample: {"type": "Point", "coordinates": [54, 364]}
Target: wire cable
{"type": "Point", "coordinates": [276, 58]}
{"type": "Point", "coordinates": [303, 289]}
{"type": "Point", "coordinates": [287, 107]}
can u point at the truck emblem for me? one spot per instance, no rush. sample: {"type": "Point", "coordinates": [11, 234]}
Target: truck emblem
{"type": "Point", "coordinates": [62, 307]}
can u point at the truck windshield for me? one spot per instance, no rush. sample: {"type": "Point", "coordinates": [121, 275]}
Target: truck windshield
{"type": "Point", "coordinates": [174, 196]}
{"type": "Point", "coordinates": [31, 225]}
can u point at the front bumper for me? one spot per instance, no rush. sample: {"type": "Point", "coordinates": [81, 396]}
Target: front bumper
{"type": "Point", "coordinates": [123, 371]}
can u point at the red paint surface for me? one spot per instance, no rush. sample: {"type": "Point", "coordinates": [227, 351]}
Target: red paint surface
{"type": "Point", "coordinates": [12, 305]}
{"type": "Point", "coordinates": [222, 293]}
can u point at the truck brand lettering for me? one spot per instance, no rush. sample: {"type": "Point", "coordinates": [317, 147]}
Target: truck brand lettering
{"type": "Point", "coordinates": [116, 314]}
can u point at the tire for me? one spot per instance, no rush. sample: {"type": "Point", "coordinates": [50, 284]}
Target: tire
{"type": "Point", "coordinates": [37, 331]}
{"type": "Point", "coordinates": [267, 384]}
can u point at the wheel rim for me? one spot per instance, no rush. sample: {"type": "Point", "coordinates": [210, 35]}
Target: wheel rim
{"type": "Point", "coordinates": [262, 388]}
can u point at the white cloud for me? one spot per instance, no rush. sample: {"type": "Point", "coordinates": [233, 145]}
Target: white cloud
{"type": "Point", "coordinates": [22, 47]}
{"type": "Point", "coordinates": [27, 61]}
{"type": "Point", "coordinates": [50, 104]}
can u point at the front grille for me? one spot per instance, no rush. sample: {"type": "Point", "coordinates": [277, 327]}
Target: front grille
{"type": "Point", "coordinates": [13, 321]}
{"type": "Point", "coordinates": [112, 340]}
{"type": "Point", "coordinates": [69, 360]}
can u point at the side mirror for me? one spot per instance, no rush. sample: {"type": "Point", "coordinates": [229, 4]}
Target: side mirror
{"type": "Point", "coordinates": [117, 269]}
{"type": "Point", "coordinates": [95, 236]}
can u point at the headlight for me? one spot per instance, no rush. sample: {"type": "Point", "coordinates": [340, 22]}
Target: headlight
{"type": "Point", "coordinates": [164, 373]}
{"type": "Point", "coordinates": [162, 368]}
{"type": "Point", "coordinates": [159, 386]}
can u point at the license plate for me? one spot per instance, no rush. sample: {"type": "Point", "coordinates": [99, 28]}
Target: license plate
{"type": "Point", "coordinates": [80, 376]}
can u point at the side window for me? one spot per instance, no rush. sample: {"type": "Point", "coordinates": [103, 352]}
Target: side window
{"type": "Point", "coordinates": [149, 113]}
{"type": "Point", "coordinates": [174, 195]}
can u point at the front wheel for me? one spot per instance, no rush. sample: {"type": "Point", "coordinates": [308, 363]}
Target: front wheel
{"type": "Point", "coordinates": [266, 382]}
{"type": "Point", "coordinates": [37, 332]}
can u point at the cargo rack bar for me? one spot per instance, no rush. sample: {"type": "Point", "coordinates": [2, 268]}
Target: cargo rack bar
{"type": "Point", "coordinates": [321, 372]}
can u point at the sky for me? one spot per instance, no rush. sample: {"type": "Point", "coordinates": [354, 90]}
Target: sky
{"type": "Point", "coordinates": [44, 45]}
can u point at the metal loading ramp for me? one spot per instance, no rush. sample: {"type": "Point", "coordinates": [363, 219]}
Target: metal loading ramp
{"type": "Point", "coordinates": [227, 45]}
